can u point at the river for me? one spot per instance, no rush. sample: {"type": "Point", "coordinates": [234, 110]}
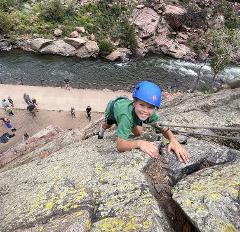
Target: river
{"type": "Point", "coordinates": [18, 67]}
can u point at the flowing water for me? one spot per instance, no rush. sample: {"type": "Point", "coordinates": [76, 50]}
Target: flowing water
{"type": "Point", "coordinates": [18, 67]}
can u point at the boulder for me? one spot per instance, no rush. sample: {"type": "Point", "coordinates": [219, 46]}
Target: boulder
{"type": "Point", "coordinates": [58, 32]}
{"type": "Point", "coordinates": [76, 42]}
{"type": "Point", "coordinates": [217, 22]}
{"type": "Point", "coordinates": [173, 15]}
{"type": "Point", "coordinates": [80, 29]}
{"type": "Point", "coordinates": [120, 53]}
{"type": "Point", "coordinates": [210, 198]}
{"type": "Point", "coordinates": [171, 47]}
{"type": "Point", "coordinates": [74, 34]}
{"type": "Point", "coordinates": [90, 49]}
{"type": "Point", "coordinates": [146, 20]}
{"type": "Point", "coordinates": [59, 47]}
{"type": "Point", "coordinates": [39, 43]}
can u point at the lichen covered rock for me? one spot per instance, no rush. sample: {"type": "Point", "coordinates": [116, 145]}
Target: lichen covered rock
{"type": "Point", "coordinates": [210, 198]}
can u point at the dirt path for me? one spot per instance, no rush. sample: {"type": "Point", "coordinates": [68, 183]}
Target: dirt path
{"type": "Point", "coordinates": [52, 98]}
{"type": "Point", "coordinates": [24, 122]}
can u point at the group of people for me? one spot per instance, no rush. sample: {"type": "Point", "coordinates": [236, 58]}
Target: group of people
{"type": "Point", "coordinates": [7, 105]}
{"type": "Point", "coordinates": [32, 104]}
{"type": "Point", "coordinates": [88, 112]}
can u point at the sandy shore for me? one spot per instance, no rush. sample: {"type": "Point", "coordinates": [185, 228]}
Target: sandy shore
{"type": "Point", "coordinates": [54, 108]}
{"type": "Point", "coordinates": [53, 98]}
{"type": "Point", "coordinates": [24, 122]}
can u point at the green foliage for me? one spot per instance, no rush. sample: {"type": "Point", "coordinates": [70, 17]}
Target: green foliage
{"type": "Point", "coordinates": [107, 20]}
{"type": "Point", "coordinates": [127, 37]}
{"type": "Point", "coordinates": [5, 5]}
{"type": "Point", "coordinates": [10, 5]}
{"type": "Point", "coordinates": [106, 47]}
{"type": "Point", "coordinates": [53, 11]}
{"type": "Point", "coordinates": [224, 43]}
{"type": "Point", "coordinates": [6, 23]}
{"type": "Point", "coordinates": [231, 15]}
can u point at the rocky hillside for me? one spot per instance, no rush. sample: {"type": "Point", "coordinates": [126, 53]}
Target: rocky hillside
{"type": "Point", "coordinates": [70, 181]}
{"type": "Point", "coordinates": [118, 29]}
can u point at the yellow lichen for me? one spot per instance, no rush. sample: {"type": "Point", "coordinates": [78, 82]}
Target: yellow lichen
{"type": "Point", "coordinates": [187, 203]}
{"type": "Point", "coordinates": [215, 196]}
{"type": "Point", "coordinates": [49, 205]}
{"type": "Point", "coordinates": [229, 228]}
{"type": "Point", "coordinates": [111, 225]}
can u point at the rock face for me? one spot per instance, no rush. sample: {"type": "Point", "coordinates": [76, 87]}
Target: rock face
{"type": "Point", "coordinates": [210, 198]}
{"type": "Point", "coordinates": [146, 20]}
{"type": "Point", "coordinates": [173, 15]}
{"type": "Point", "coordinates": [76, 184]}
{"type": "Point", "coordinates": [220, 109]}
{"type": "Point", "coordinates": [60, 182]}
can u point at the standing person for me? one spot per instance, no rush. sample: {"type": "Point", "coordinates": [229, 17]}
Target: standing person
{"type": "Point", "coordinates": [34, 102]}
{"type": "Point", "coordinates": [32, 109]}
{"type": "Point", "coordinates": [88, 111]}
{"type": "Point", "coordinates": [67, 85]}
{"type": "Point", "coordinates": [9, 111]}
{"type": "Point", "coordinates": [25, 136]}
{"type": "Point", "coordinates": [10, 101]}
{"type": "Point", "coordinates": [129, 116]}
{"type": "Point", "coordinates": [27, 99]}
{"type": "Point", "coordinates": [73, 114]}
{"type": "Point", "coordinates": [5, 103]}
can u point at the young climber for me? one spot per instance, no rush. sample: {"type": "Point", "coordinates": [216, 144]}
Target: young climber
{"type": "Point", "coordinates": [129, 116]}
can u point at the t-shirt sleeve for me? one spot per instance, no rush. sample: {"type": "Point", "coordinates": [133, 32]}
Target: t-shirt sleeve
{"type": "Point", "coordinates": [154, 118]}
{"type": "Point", "coordinates": [124, 127]}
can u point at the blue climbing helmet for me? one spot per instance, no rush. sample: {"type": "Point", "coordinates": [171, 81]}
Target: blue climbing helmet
{"type": "Point", "coordinates": [148, 92]}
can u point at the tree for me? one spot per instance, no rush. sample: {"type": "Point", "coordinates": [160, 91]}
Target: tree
{"type": "Point", "coordinates": [224, 43]}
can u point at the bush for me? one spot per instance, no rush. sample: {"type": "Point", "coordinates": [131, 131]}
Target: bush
{"type": "Point", "coordinates": [6, 23]}
{"type": "Point", "coordinates": [56, 12]}
{"type": "Point", "coordinates": [127, 37]}
{"type": "Point", "coordinates": [5, 5]}
{"type": "Point", "coordinates": [106, 47]}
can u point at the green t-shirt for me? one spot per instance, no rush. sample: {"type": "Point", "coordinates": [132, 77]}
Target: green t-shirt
{"type": "Point", "coordinates": [127, 119]}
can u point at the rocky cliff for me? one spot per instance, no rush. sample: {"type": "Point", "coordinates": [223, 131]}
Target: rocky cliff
{"type": "Point", "coordinates": [70, 181]}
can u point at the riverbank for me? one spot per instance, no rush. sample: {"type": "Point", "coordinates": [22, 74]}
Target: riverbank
{"type": "Point", "coordinates": [54, 108]}
{"type": "Point", "coordinates": [50, 98]}
{"type": "Point", "coordinates": [25, 123]}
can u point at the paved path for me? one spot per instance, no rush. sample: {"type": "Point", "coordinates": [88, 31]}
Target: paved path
{"type": "Point", "coordinates": [55, 98]}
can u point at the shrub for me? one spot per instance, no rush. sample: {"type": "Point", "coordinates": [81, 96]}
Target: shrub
{"type": "Point", "coordinates": [128, 38]}
{"type": "Point", "coordinates": [6, 23]}
{"type": "Point", "coordinates": [106, 47]}
{"type": "Point", "coordinates": [5, 5]}
{"type": "Point", "coordinates": [53, 11]}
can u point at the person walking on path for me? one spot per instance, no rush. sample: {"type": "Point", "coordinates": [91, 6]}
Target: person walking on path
{"type": "Point", "coordinates": [10, 101]}
{"type": "Point", "coordinates": [27, 99]}
{"type": "Point", "coordinates": [129, 116]}
{"type": "Point", "coordinates": [73, 114]}
{"type": "Point", "coordinates": [67, 83]}
{"type": "Point", "coordinates": [88, 111]}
